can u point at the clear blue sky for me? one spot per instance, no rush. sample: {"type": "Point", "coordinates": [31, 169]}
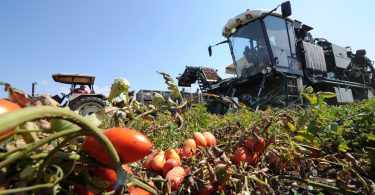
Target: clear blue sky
{"type": "Point", "coordinates": [134, 39]}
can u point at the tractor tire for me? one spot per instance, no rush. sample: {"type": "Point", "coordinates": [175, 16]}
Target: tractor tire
{"type": "Point", "coordinates": [87, 105]}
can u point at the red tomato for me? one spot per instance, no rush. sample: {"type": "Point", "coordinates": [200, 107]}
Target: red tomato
{"type": "Point", "coordinates": [147, 163]}
{"type": "Point", "coordinates": [256, 158]}
{"type": "Point", "coordinates": [158, 162]}
{"type": "Point", "coordinates": [172, 154]}
{"type": "Point", "coordinates": [110, 176]}
{"type": "Point", "coordinates": [211, 140]}
{"type": "Point", "coordinates": [169, 165]}
{"type": "Point", "coordinates": [242, 154]}
{"type": "Point", "coordinates": [130, 145]}
{"type": "Point", "coordinates": [7, 106]}
{"type": "Point", "coordinates": [176, 176]}
{"type": "Point", "coordinates": [250, 143]}
{"type": "Point", "coordinates": [261, 144]}
{"type": "Point", "coordinates": [189, 147]}
{"type": "Point", "coordinates": [219, 188]}
{"type": "Point", "coordinates": [200, 139]}
{"type": "Point", "coordinates": [180, 152]}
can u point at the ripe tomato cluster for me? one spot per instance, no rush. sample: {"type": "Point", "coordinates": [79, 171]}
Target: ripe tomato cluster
{"type": "Point", "coordinates": [251, 151]}
{"type": "Point", "coordinates": [168, 162]}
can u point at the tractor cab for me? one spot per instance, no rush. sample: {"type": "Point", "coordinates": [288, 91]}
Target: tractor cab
{"type": "Point", "coordinates": [262, 40]}
{"type": "Point", "coordinates": [85, 103]}
{"type": "Point", "coordinates": [75, 80]}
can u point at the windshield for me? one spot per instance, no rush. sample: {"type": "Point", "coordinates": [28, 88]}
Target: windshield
{"type": "Point", "coordinates": [278, 32]}
{"type": "Point", "coordinates": [250, 50]}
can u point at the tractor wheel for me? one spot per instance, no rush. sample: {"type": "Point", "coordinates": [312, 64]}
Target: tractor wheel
{"type": "Point", "coordinates": [87, 105]}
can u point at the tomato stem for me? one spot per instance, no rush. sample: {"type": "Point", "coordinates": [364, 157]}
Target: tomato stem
{"type": "Point", "coordinates": [19, 131]}
{"type": "Point", "coordinates": [15, 156]}
{"type": "Point", "coordinates": [13, 119]}
{"type": "Point", "coordinates": [59, 174]}
{"type": "Point", "coordinates": [51, 154]}
{"type": "Point", "coordinates": [140, 183]}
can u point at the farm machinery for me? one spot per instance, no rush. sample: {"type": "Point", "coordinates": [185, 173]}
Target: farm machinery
{"type": "Point", "coordinates": [275, 58]}
{"type": "Point", "coordinates": [84, 102]}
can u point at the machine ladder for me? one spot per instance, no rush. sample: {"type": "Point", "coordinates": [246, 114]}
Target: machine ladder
{"type": "Point", "coordinates": [292, 94]}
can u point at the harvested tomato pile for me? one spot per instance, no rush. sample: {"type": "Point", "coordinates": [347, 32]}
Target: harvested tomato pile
{"type": "Point", "coordinates": [165, 148]}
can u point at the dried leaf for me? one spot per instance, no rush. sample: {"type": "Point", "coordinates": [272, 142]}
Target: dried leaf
{"type": "Point", "coordinates": [43, 124]}
{"type": "Point", "coordinates": [93, 119]}
{"type": "Point", "coordinates": [18, 96]}
{"type": "Point", "coordinates": [178, 119]}
{"type": "Point", "coordinates": [119, 86]}
{"type": "Point", "coordinates": [157, 100]}
{"type": "Point", "coordinates": [47, 100]}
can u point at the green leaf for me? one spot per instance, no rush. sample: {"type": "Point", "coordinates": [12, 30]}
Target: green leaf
{"type": "Point", "coordinates": [60, 124]}
{"type": "Point", "coordinates": [309, 90]}
{"type": "Point", "coordinates": [369, 136]}
{"type": "Point", "coordinates": [299, 138]}
{"type": "Point", "coordinates": [313, 99]}
{"type": "Point", "coordinates": [316, 142]}
{"type": "Point", "coordinates": [291, 127]}
{"type": "Point", "coordinates": [340, 130]}
{"type": "Point", "coordinates": [343, 146]}
{"type": "Point", "coordinates": [326, 94]}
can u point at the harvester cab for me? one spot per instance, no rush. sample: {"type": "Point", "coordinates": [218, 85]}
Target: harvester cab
{"type": "Point", "coordinates": [260, 40]}
{"type": "Point", "coordinates": [85, 102]}
{"type": "Point", "coordinates": [276, 57]}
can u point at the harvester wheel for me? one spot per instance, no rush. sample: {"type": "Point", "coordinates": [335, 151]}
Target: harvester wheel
{"type": "Point", "coordinates": [87, 105]}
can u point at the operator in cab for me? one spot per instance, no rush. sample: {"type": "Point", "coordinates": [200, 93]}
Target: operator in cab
{"type": "Point", "coordinates": [81, 89]}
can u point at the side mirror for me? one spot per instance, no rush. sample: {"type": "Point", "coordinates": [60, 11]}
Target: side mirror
{"type": "Point", "coordinates": [210, 50]}
{"type": "Point", "coordinates": [286, 9]}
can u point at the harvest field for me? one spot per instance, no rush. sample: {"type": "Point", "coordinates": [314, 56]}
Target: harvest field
{"type": "Point", "coordinates": [317, 149]}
